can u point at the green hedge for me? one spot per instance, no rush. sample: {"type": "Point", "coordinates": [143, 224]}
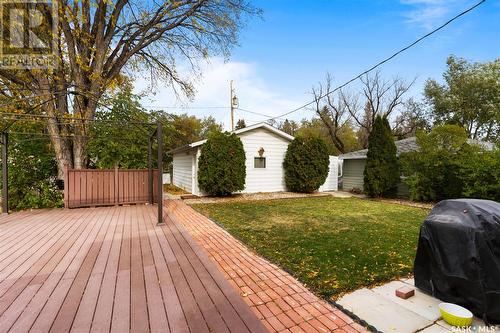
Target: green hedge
{"type": "Point", "coordinates": [32, 171]}
{"type": "Point", "coordinates": [221, 165]}
{"type": "Point", "coordinates": [306, 164]}
{"type": "Point", "coordinates": [447, 167]}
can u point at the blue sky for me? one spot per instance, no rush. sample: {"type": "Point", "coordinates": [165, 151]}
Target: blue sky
{"type": "Point", "coordinates": [295, 43]}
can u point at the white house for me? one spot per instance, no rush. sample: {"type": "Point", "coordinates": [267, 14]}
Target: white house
{"type": "Point", "coordinates": [263, 174]}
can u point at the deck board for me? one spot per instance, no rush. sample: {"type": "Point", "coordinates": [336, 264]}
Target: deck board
{"type": "Point", "coordinates": [111, 269]}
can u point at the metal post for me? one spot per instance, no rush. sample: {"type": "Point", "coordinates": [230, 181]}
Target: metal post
{"type": "Point", "coordinates": [150, 171]}
{"type": "Point", "coordinates": [159, 135]}
{"type": "Point", "coordinates": [66, 185]}
{"type": "Point", "coordinates": [5, 173]}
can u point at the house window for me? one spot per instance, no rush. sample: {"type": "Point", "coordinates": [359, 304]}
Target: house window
{"type": "Point", "coordinates": [259, 162]}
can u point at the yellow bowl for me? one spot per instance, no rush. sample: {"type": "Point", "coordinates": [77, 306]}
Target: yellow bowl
{"type": "Point", "coordinates": [455, 315]}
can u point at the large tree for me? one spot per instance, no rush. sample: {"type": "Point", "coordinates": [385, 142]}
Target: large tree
{"type": "Point", "coordinates": [468, 97]}
{"type": "Point", "coordinates": [316, 128]}
{"type": "Point", "coordinates": [289, 126]}
{"type": "Point", "coordinates": [240, 124]}
{"type": "Point", "coordinates": [332, 111]}
{"type": "Point", "coordinates": [114, 143]}
{"type": "Point", "coordinates": [338, 109]}
{"type": "Point", "coordinates": [97, 40]}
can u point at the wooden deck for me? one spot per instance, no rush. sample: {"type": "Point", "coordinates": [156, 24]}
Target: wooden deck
{"type": "Point", "coordinates": [111, 269]}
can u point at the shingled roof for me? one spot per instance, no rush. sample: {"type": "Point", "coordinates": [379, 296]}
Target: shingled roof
{"type": "Point", "coordinates": [402, 146]}
{"type": "Point", "coordinates": [407, 145]}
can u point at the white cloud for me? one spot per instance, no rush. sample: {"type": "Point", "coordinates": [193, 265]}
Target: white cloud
{"type": "Point", "coordinates": [212, 89]}
{"type": "Point", "coordinates": [429, 13]}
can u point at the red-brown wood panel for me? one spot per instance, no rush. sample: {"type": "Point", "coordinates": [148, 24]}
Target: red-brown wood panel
{"type": "Point", "coordinates": [125, 187]}
{"type": "Point", "coordinates": [88, 182]}
{"type": "Point", "coordinates": [87, 187]}
{"type": "Point", "coordinates": [137, 193]}
{"type": "Point", "coordinates": [78, 189]}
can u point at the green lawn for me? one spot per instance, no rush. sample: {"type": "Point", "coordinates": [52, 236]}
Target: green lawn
{"type": "Point", "coordinates": [333, 245]}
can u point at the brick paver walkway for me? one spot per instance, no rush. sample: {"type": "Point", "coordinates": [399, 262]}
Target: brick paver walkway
{"type": "Point", "coordinates": [279, 300]}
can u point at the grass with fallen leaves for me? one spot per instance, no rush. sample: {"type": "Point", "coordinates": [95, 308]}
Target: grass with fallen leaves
{"type": "Point", "coordinates": [333, 245]}
{"type": "Point", "coordinates": [172, 189]}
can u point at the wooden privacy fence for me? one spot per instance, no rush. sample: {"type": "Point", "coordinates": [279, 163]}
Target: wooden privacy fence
{"type": "Point", "coordinates": [89, 187]}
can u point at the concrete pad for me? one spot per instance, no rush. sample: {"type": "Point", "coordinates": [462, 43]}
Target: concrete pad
{"type": "Point", "coordinates": [410, 281]}
{"type": "Point", "coordinates": [381, 308]}
{"type": "Point", "coordinates": [344, 194]}
{"type": "Point", "coordinates": [435, 329]}
{"type": "Point", "coordinates": [422, 304]}
{"type": "Point", "coordinates": [384, 314]}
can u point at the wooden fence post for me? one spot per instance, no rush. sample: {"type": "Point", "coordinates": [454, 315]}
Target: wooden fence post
{"type": "Point", "coordinates": [117, 187]}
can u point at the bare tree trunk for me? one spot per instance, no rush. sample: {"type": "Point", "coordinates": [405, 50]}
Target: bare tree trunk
{"type": "Point", "coordinates": [56, 107]}
{"type": "Point", "coordinates": [60, 145]}
{"type": "Point", "coordinates": [79, 156]}
{"type": "Point", "coordinates": [85, 107]}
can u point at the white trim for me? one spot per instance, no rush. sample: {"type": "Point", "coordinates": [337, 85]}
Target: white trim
{"type": "Point", "coordinates": [360, 157]}
{"type": "Point", "coordinates": [251, 128]}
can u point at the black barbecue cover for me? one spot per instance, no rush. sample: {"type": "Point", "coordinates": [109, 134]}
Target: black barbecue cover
{"type": "Point", "coordinates": [458, 256]}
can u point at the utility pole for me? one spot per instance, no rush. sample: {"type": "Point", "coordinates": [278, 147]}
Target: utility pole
{"type": "Point", "coordinates": [233, 102]}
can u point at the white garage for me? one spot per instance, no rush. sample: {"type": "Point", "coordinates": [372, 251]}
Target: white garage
{"type": "Point", "coordinates": [264, 174]}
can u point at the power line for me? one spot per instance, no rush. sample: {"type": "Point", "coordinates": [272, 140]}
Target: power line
{"type": "Point", "coordinates": [72, 136]}
{"type": "Point", "coordinates": [380, 63]}
{"type": "Point", "coordinates": [242, 116]}
{"type": "Point", "coordinates": [184, 107]}
{"type": "Point", "coordinates": [8, 115]}
{"type": "Point", "coordinates": [253, 112]}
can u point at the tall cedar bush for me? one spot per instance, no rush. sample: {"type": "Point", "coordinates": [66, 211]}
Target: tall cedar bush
{"type": "Point", "coordinates": [381, 174]}
{"type": "Point", "coordinates": [221, 164]}
{"type": "Point", "coordinates": [306, 164]}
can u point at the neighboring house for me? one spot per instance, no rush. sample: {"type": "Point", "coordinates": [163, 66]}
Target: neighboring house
{"type": "Point", "coordinates": [353, 164]}
{"type": "Point", "coordinates": [263, 174]}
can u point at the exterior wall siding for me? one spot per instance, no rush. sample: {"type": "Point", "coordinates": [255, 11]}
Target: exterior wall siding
{"type": "Point", "coordinates": [272, 177]}
{"type": "Point", "coordinates": [353, 174]}
{"type": "Point", "coordinates": [353, 177]}
{"type": "Point", "coordinates": [182, 171]}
